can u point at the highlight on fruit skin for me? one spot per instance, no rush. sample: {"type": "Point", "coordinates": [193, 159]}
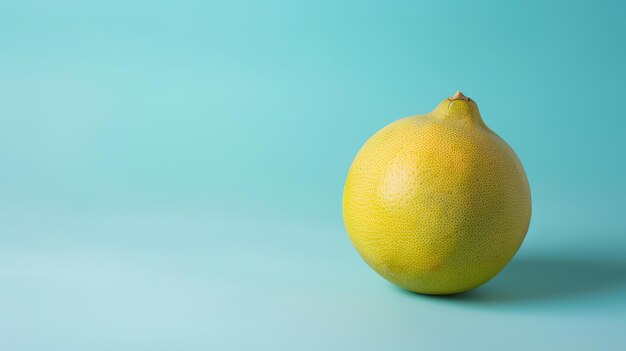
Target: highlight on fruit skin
{"type": "Point", "coordinates": [437, 203]}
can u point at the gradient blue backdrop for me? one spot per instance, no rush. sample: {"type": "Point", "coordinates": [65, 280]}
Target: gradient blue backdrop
{"type": "Point", "coordinates": [171, 172]}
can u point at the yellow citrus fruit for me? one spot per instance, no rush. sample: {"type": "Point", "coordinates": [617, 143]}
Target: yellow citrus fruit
{"type": "Point", "coordinates": [437, 203]}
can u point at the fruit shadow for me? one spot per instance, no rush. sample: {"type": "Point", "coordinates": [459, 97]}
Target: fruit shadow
{"type": "Point", "coordinates": [532, 279]}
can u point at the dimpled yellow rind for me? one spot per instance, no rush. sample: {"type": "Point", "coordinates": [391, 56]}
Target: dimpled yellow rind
{"type": "Point", "coordinates": [437, 203]}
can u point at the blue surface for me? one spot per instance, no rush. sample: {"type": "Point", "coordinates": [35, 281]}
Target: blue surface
{"type": "Point", "coordinates": [171, 173]}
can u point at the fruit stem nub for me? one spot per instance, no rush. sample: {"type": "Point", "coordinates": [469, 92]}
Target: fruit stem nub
{"type": "Point", "coordinates": [459, 96]}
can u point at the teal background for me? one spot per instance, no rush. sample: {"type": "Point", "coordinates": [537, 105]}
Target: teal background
{"type": "Point", "coordinates": [171, 172]}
